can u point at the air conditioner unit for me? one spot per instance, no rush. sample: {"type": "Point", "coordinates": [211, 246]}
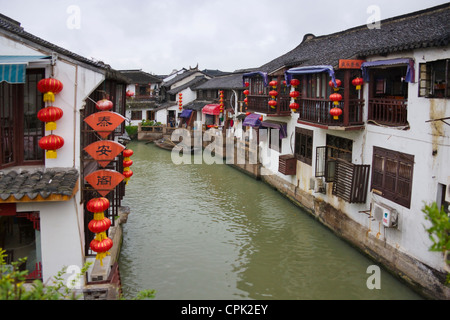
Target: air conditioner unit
{"type": "Point", "coordinates": [317, 185]}
{"type": "Point", "coordinates": [385, 214]}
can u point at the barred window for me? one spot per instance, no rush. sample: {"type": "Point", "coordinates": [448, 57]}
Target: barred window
{"type": "Point", "coordinates": [434, 80]}
{"type": "Point", "coordinates": [304, 145]}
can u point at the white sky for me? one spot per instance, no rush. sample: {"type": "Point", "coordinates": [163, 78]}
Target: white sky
{"type": "Point", "coordinates": [159, 36]}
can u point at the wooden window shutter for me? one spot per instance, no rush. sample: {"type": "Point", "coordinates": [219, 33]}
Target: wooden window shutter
{"type": "Point", "coordinates": [351, 181]}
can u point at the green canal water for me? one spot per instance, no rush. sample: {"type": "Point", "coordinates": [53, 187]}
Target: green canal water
{"type": "Point", "coordinates": [203, 232]}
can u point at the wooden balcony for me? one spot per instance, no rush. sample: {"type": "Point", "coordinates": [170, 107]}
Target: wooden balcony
{"type": "Point", "coordinates": [260, 104]}
{"type": "Point", "coordinates": [317, 112]}
{"type": "Point", "coordinates": [388, 111]}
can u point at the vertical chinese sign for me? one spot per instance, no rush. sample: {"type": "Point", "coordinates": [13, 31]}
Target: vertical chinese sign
{"type": "Point", "coordinates": [103, 180]}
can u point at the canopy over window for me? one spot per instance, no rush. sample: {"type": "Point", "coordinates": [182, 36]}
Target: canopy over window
{"type": "Point", "coordinates": [252, 120]}
{"type": "Point", "coordinates": [13, 68]}
{"type": "Point", "coordinates": [289, 74]}
{"type": "Point", "coordinates": [186, 113]}
{"type": "Point", "coordinates": [281, 126]}
{"type": "Point", "coordinates": [213, 109]}
{"type": "Point", "coordinates": [256, 73]}
{"type": "Point", "coordinates": [410, 71]}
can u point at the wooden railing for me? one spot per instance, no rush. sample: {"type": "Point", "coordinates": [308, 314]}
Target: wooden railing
{"type": "Point", "coordinates": [390, 112]}
{"type": "Point", "coordinates": [318, 111]}
{"type": "Point", "coordinates": [258, 103]}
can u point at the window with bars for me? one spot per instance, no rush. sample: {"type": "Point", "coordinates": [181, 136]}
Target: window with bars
{"type": "Point", "coordinates": [304, 145]}
{"type": "Point", "coordinates": [326, 156]}
{"type": "Point", "coordinates": [392, 175]}
{"type": "Point", "coordinates": [434, 79]}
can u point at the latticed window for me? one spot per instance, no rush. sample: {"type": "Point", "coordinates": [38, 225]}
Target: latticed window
{"type": "Point", "coordinates": [304, 145]}
{"type": "Point", "coordinates": [336, 148]}
{"type": "Point", "coordinates": [392, 175]}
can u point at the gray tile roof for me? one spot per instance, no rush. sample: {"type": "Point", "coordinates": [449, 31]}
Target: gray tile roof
{"type": "Point", "coordinates": [229, 81]}
{"type": "Point", "coordinates": [29, 184]}
{"type": "Point", "coordinates": [422, 29]}
{"type": "Point", "coordinates": [140, 77]}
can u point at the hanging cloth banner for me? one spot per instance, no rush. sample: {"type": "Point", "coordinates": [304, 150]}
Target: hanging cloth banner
{"type": "Point", "coordinates": [104, 122]}
{"type": "Point", "coordinates": [104, 151]}
{"type": "Point", "coordinates": [289, 74]}
{"type": "Point", "coordinates": [104, 181]}
{"type": "Point", "coordinates": [410, 71]}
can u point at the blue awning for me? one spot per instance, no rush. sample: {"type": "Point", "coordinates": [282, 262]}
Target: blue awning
{"type": "Point", "coordinates": [410, 71]}
{"type": "Point", "coordinates": [289, 74]}
{"type": "Point", "coordinates": [186, 113]}
{"type": "Point", "coordinates": [252, 120]}
{"type": "Point", "coordinates": [13, 68]}
{"type": "Point", "coordinates": [256, 73]}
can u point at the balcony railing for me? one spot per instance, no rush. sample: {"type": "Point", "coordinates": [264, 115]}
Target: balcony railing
{"type": "Point", "coordinates": [258, 103]}
{"type": "Point", "coordinates": [390, 112]}
{"type": "Point", "coordinates": [318, 111]}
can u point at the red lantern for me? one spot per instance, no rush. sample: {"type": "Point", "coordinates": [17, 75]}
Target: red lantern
{"type": "Point", "coordinates": [261, 118]}
{"type": "Point", "coordinates": [294, 106]}
{"type": "Point", "coordinates": [358, 82]}
{"type": "Point", "coordinates": [130, 93]}
{"type": "Point", "coordinates": [104, 105]}
{"type": "Point", "coordinates": [101, 246]}
{"type": "Point", "coordinates": [272, 104]}
{"type": "Point", "coordinates": [246, 100]}
{"type": "Point", "coordinates": [273, 84]}
{"type": "Point", "coordinates": [273, 94]}
{"type": "Point", "coordinates": [49, 115]}
{"type": "Point", "coordinates": [247, 84]}
{"type": "Point", "coordinates": [295, 82]}
{"type": "Point", "coordinates": [49, 87]}
{"type": "Point", "coordinates": [98, 226]}
{"type": "Point", "coordinates": [97, 205]}
{"type": "Point", "coordinates": [127, 163]}
{"type": "Point", "coordinates": [336, 97]}
{"type": "Point", "coordinates": [51, 143]}
{"type": "Point", "coordinates": [294, 94]}
{"type": "Point", "coordinates": [246, 92]}
{"type": "Point", "coordinates": [248, 113]}
{"type": "Point", "coordinates": [127, 153]}
{"type": "Point", "coordinates": [336, 112]}
{"type": "Point", "coordinates": [128, 174]}
{"type": "Point", "coordinates": [338, 84]}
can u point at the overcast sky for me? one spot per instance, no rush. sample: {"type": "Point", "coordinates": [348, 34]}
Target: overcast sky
{"type": "Point", "coordinates": [159, 36]}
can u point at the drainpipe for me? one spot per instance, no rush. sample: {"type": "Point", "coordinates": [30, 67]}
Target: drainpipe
{"type": "Point", "coordinates": [75, 113]}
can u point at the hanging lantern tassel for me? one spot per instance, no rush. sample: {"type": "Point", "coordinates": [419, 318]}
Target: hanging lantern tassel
{"type": "Point", "coordinates": [51, 143]}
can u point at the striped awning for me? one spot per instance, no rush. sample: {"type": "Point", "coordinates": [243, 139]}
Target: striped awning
{"type": "Point", "coordinates": [13, 68]}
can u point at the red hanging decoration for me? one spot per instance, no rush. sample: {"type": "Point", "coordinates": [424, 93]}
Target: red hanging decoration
{"type": "Point", "coordinates": [273, 84]}
{"type": "Point", "coordinates": [50, 115]}
{"type": "Point", "coordinates": [104, 105]}
{"type": "Point", "coordinates": [294, 106]}
{"type": "Point", "coordinates": [335, 87]}
{"type": "Point", "coordinates": [130, 93]}
{"type": "Point", "coordinates": [294, 94]}
{"type": "Point", "coordinates": [358, 82]}
{"type": "Point", "coordinates": [273, 104]}
{"type": "Point", "coordinates": [336, 112]}
{"type": "Point", "coordinates": [295, 82]}
{"type": "Point", "coordinates": [49, 87]}
{"type": "Point", "coordinates": [127, 162]}
{"type": "Point", "coordinates": [336, 98]}
{"type": "Point", "coordinates": [97, 205]}
{"type": "Point", "coordinates": [99, 225]}
{"type": "Point", "coordinates": [51, 143]}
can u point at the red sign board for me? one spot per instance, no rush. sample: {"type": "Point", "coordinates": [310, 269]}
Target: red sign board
{"type": "Point", "coordinates": [104, 181]}
{"type": "Point", "coordinates": [104, 122]}
{"type": "Point", "coordinates": [104, 151]}
{"type": "Point", "coordinates": [350, 64]}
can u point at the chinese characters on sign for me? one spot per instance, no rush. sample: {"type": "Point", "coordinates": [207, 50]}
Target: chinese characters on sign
{"type": "Point", "coordinates": [104, 151]}
{"type": "Point", "coordinates": [104, 181]}
{"type": "Point", "coordinates": [104, 122]}
{"type": "Point", "coordinates": [350, 64]}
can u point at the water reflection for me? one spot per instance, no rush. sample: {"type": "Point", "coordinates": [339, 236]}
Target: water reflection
{"type": "Point", "coordinates": [211, 232]}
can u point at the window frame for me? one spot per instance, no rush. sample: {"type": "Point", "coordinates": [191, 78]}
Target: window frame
{"type": "Point", "coordinates": [427, 76]}
{"type": "Point", "coordinates": [305, 138]}
{"type": "Point", "coordinates": [382, 174]}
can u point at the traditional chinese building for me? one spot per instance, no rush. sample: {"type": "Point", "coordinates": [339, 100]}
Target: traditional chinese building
{"type": "Point", "coordinates": [46, 94]}
{"type": "Point", "coordinates": [365, 140]}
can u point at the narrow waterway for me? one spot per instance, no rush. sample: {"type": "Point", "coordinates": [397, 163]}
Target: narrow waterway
{"type": "Point", "coordinates": [212, 232]}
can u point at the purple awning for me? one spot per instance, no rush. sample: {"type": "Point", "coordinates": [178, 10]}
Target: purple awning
{"type": "Point", "coordinates": [289, 74]}
{"type": "Point", "coordinates": [410, 71]}
{"type": "Point", "coordinates": [276, 125]}
{"type": "Point", "coordinates": [186, 113]}
{"type": "Point", "coordinates": [256, 73]}
{"type": "Point", "coordinates": [252, 120]}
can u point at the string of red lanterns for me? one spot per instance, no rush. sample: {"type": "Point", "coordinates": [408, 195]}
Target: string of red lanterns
{"type": "Point", "coordinates": [50, 114]}
{"type": "Point", "coordinates": [180, 101]}
{"type": "Point", "coordinates": [294, 95]}
{"type": "Point", "coordinates": [101, 244]}
{"type": "Point", "coordinates": [127, 162]}
{"type": "Point", "coordinates": [273, 94]}
{"type": "Point", "coordinates": [336, 98]}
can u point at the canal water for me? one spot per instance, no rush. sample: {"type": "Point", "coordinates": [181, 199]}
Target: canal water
{"type": "Point", "coordinates": [202, 232]}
